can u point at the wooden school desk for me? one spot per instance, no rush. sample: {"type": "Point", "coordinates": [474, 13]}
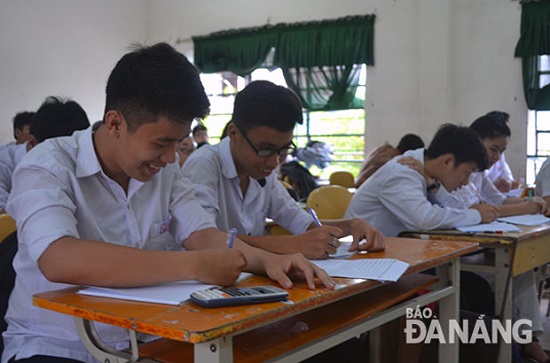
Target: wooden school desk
{"type": "Point", "coordinates": [512, 254]}
{"type": "Point", "coordinates": [316, 320]}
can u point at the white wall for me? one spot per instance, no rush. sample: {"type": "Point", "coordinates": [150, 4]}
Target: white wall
{"type": "Point", "coordinates": [436, 61]}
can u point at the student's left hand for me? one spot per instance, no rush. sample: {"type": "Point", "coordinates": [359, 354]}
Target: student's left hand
{"type": "Point", "coordinates": [417, 166]}
{"type": "Point", "coordinates": [283, 268]}
{"type": "Point", "coordinates": [360, 230]}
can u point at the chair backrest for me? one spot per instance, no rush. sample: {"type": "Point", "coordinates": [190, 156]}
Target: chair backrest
{"type": "Point", "coordinates": [329, 201]}
{"type": "Point", "coordinates": [7, 226]}
{"type": "Point", "coordinates": [343, 178]}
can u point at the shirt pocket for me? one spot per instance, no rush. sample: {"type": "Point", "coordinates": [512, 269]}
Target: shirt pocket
{"type": "Point", "coordinates": [160, 238]}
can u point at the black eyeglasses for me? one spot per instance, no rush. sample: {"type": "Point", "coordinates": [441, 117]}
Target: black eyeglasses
{"type": "Point", "coordinates": [264, 153]}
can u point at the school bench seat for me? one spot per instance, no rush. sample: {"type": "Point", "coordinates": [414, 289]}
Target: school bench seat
{"type": "Point", "coordinates": [285, 336]}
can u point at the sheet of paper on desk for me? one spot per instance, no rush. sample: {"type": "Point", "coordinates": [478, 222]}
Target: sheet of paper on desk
{"type": "Point", "coordinates": [343, 249]}
{"type": "Point", "coordinates": [526, 219]}
{"type": "Point", "coordinates": [381, 269]}
{"type": "Point", "coordinates": [172, 293]}
{"type": "Point", "coordinates": [493, 227]}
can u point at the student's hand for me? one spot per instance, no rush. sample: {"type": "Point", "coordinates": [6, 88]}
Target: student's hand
{"type": "Point", "coordinates": [283, 268]}
{"type": "Point", "coordinates": [517, 183]}
{"type": "Point", "coordinates": [535, 205]}
{"type": "Point", "coordinates": [318, 243]}
{"type": "Point", "coordinates": [417, 166]}
{"type": "Point", "coordinates": [488, 212]}
{"type": "Point", "coordinates": [220, 266]}
{"type": "Point", "coordinates": [504, 186]}
{"type": "Point", "coordinates": [360, 230]}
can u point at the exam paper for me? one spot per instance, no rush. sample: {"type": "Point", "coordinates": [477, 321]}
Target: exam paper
{"type": "Point", "coordinates": [493, 227]}
{"type": "Point", "coordinates": [343, 249]}
{"type": "Point", "coordinates": [381, 269]}
{"type": "Point", "coordinates": [171, 293]}
{"type": "Point", "coordinates": [526, 219]}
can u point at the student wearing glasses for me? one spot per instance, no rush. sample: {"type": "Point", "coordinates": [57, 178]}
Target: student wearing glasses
{"type": "Point", "coordinates": [236, 185]}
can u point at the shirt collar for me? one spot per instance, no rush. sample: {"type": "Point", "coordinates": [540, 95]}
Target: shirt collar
{"type": "Point", "coordinates": [229, 169]}
{"type": "Point", "coordinates": [87, 162]}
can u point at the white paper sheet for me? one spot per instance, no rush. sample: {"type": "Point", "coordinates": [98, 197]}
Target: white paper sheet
{"type": "Point", "coordinates": [381, 269]}
{"type": "Point", "coordinates": [172, 293]}
{"type": "Point", "coordinates": [526, 219]}
{"type": "Point", "coordinates": [494, 227]}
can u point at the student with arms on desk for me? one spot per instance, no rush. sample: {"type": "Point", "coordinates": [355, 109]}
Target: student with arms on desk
{"type": "Point", "coordinates": [105, 208]}
{"type": "Point", "coordinates": [396, 197]}
{"type": "Point", "coordinates": [236, 185]}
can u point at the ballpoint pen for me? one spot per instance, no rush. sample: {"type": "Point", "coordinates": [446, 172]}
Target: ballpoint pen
{"type": "Point", "coordinates": [335, 241]}
{"type": "Point", "coordinates": [231, 237]}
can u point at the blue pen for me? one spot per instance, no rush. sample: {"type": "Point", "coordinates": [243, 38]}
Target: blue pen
{"type": "Point", "coordinates": [231, 237]}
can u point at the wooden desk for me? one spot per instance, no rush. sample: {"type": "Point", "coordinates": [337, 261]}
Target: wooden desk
{"type": "Point", "coordinates": [514, 254]}
{"type": "Point", "coordinates": [213, 332]}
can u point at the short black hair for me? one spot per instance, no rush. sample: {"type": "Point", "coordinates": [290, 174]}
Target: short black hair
{"type": "Point", "coordinates": [263, 103]}
{"type": "Point", "coordinates": [155, 81]}
{"type": "Point", "coordinates": [21, 120]}
{"type": "Point", "coordinates": [199, 127]}
{"type": "Point", "coordinates": [58, 117]}
{"type": "Point", "coordinates": [494, 124]}
{"type": "Point", "coordinates": [410, 142]}
{"type": "Point", "coordinates": [462, 142]}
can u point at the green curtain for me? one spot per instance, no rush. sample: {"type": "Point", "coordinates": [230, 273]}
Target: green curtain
{"type": "Point", "coordinates": [534, 41]}
{"type": "Point", "coordinates": [318, 59]}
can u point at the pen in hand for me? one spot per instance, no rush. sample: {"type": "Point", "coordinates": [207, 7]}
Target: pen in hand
{"type": "Point", "coordinates": [335, 241]}
{"type": "Point", "coordinates": [231, 237]}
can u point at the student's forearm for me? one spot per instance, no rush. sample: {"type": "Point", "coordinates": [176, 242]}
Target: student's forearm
{"type": "Point", "coordinates": [513, 209]}
{"type": "Point", "coordinates": [85, 262]}
{"type": "Point", "coordinates": [344, 224]}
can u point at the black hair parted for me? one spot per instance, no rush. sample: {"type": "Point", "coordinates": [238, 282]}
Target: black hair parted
{"type": "Point", "coordinates": [492, 125]}
{"type": "Point", "coordinates": [156, 81]}
{"type": "Point", "coordinates": [462, 142]}
{"type": "Point", "coordinates": [409, 142]}
{"type": "Point", "coordinates": [263, 103]}
{"type": "Point", "coordinates": [58, 117]}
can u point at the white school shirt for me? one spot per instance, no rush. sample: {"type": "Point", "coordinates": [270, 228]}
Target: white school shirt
{"type": "Point", "coordinates": [464, 197]}
{"type": "Point", "coordinates": [10, 156]}
{"type": "Point", "coordinates": [500, 169]}
{"type": "Point", "coordinates": [542, 187]}
{"type": "Point", "coordinates": [60, 190]}
{"type": "Point", "coordinates": [394, 199]}
{"type": "Point", "coordinates": [214, 175]}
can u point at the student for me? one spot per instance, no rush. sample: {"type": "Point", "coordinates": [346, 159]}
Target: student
{"type": "Point", "coordinates": [200, 135]}
{"type": "Point", "coordinates": [236, 185]}
{"type": "Point", "coordinates": [185, 148]}
{"type": "Point", "coordinates": [385, 153]}
{"type": "Point", "coordinates": [542, 183]}
{"type": "Point", "coordinates": [105, 207]}
{"type": "Point", "coordinates": [55, 117]}
{"type": "Point", "coordinates": [494, 133]}
{"type": "Point", "coordinates": [395, 198]}
{"type": "Point", "coordinates": [21, 126]}
{"type": "Point", "coordinates": [500, 173]}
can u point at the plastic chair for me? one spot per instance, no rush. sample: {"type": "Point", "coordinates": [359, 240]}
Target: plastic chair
{"type": "Point", "coordinates": [343, 178]}
{"type": "Point", "coordinates": [329, 201]}
{"type": "Point", "coordinates": [7, 226]}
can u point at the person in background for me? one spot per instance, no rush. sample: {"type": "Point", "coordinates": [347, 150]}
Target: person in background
{"type": "Point", "coordinates": [397, 198]}
{"type": "Point", "coordinates": [500, 173]}
{"type": "Point", "coordinates": [542, 182]}
{"type": "Point", "coordinates": [21, 126]}
{"type": "Point", "coordinates": [200, 135]}
{"type": "Point", "coordinates": [109, 207]}
{"type": "Point", "coordinates": [495, 133]}
{"type": "Point", "coordinates": [384, 153]}
{"type": "Point", "coordinates": [236, 185]}
{"type": "Point", "coordinates": [55, 117]}
{"type": "Point", "coordinates": [185, 148]}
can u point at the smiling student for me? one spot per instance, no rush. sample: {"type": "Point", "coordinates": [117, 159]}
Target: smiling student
{"type": "Point", "coordinates": [106, 206]}
{"type": "Point", "coordinates": [236, 185]}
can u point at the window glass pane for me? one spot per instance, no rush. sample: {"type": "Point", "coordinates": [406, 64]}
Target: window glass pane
{"type": "Point", "coordinates": [543, 120]}
{"type": "Point", "coordinates": [544, 63]}
{"type": "Point", "coordinates": [544, 79]}
{"type": "Point", "coordinates": [543, 144]}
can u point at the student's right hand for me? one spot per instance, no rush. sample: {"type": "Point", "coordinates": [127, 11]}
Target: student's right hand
{"type": "Point", "coordinates": [488, 212]}
{"type": "Point", "coordinates": [220, 266]}
{"type": "Point", "coordinates": [317, 243]}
